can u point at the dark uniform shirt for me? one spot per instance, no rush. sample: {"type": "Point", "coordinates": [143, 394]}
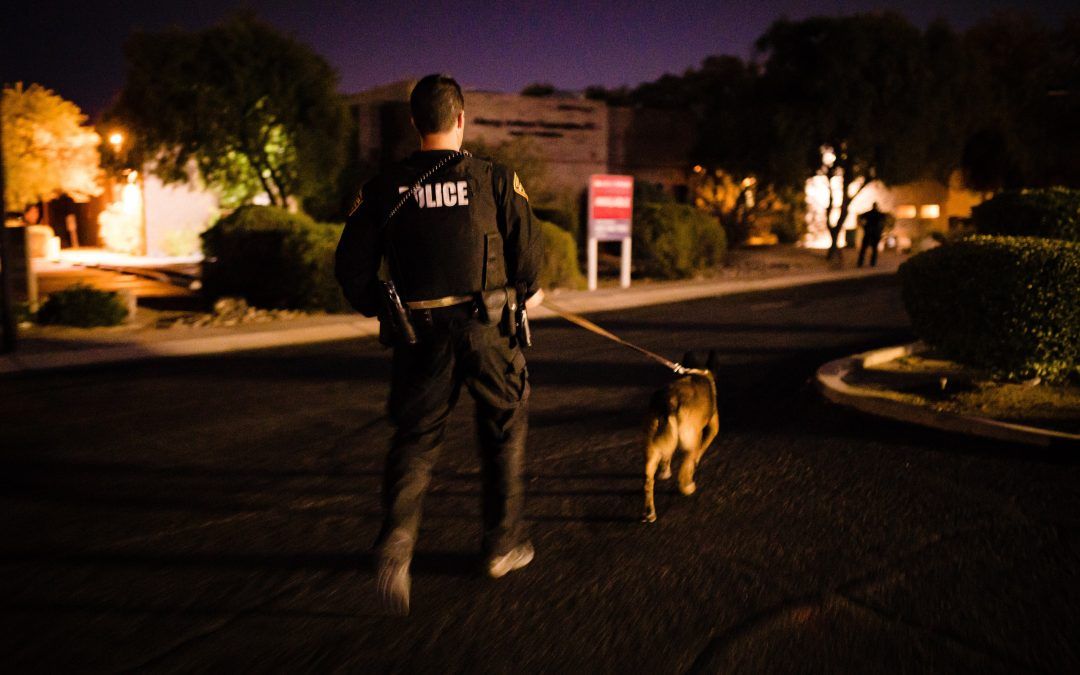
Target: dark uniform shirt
{"type": "Point", "coordinates": [469, 228]}
{"type": "Point", "coordinates": [873, 224]}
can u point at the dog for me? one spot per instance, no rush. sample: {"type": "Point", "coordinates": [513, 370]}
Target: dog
{"type": "Point", "coordinates": [682, 415]}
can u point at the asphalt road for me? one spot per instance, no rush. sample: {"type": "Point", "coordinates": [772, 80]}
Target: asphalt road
{"type": "Point", "coordinates": [217, 513]}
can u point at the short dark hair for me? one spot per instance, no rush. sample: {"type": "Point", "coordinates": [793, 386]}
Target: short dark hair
{"type": "Point", "coordinates": [435, 102]}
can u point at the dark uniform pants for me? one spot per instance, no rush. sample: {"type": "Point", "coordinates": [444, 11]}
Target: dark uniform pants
{"type": "Point", "coordinates": [455, 349]}
{"type": "Point", "coordinates": [869, 244]}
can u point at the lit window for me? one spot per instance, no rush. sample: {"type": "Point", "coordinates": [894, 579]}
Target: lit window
{"type": "Point", "coordinates": [905, 211]}
{"type": "Point", "coordinates": [929, 211]}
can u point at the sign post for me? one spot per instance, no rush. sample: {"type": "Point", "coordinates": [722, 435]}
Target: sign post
{"type": "Point", "coordinates": [611, 205]}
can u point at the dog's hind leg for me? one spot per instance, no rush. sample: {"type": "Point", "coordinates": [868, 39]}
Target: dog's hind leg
{"type": "Point", "coordinates": [686, 473]}
{"type": "Point", "coordinates": [690, 444]}
{"type": "Point", "coordinates": [659, 446]}
{"type": "Point", "coordinates": [665, 467]}
{"type": "Point", "coordinates": [687, 486]}
{"type": "Point", "coordinates": [709, 435]}
{"type": "Point", "coordinates": [650, 470]}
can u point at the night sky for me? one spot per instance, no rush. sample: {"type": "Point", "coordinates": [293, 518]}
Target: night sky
{"type": "Point", "coordinates": [77, 48]}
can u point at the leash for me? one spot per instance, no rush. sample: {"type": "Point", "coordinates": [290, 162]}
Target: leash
{"type": "Point", "coordinates": [581, 321]}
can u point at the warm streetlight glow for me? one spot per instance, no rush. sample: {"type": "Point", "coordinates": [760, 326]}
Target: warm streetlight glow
{"type": "Point", "coordinates": [116, 139]}
{"type": "Point", "coordinates": [698, 168]}
{"type": "Point", "coordinates": [121, 224]}
{"type": "Point", "coordinates": [930, 211]}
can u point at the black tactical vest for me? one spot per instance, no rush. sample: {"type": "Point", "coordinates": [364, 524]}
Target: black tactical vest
{"type": "Point", "coordinates": [446, 240]}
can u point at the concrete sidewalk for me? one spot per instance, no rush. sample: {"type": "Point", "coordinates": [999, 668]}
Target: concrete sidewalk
{"type": "Point", "coordinates": [751, 271]}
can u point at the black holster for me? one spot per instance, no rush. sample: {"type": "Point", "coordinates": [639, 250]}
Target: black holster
{"type": "Point", "coordinates": [395, 328]}
{"type": "Point", "coordinates": [498, 307]}
{"type": "Point", "coordinates": [522, 332]}
{"type": "Point", "coordinates": [503, 306]}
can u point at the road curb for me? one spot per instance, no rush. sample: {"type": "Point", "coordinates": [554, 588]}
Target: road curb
{"type": "Point", "coordinates": [617, 299]}
{"type": "Point", "coordinates": [355, 327]}
{"type": "Point", "coordinates": [831, 383]}
{"type": "Point", "coordinates": [198, 346]}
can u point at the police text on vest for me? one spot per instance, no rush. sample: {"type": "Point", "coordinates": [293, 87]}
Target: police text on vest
{"type": "Point", "coordinates": [434, 195]}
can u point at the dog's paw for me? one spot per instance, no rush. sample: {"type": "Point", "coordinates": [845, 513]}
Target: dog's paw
{"type": "Point", "coordinates": [665, 474]}
{"type": "Point", "coordinates": [688, 489]}
{"type": "Point", "coordinates": [649, 517]}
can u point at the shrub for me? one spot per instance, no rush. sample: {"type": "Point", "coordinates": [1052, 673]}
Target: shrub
{"type": "Point", "coordinates": [675, 240]}
{"type": "Point", "coordinates": [785, 213]}
{"type": "Point", "coordinates": [1049, 212]}
{"type": "Point", "coordinates": [562, 215]}
{"type": "Point", "coordinates": [274, 259]}
{"type": "Point", "coordinates": [1008, 304]}
{"type": "Point", "coordinates": [560, 258]}
{"type": "Point", "coordinates": [83, 306]}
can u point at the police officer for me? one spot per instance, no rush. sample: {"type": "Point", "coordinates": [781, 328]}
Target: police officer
{"type": "Point", "coordinates": [461, 250]}
{"type": "Point", "coordinates": [873, 222]}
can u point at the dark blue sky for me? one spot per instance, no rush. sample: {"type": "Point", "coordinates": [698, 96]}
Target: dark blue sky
{"type": "Point", "coordinates": [77, 48]}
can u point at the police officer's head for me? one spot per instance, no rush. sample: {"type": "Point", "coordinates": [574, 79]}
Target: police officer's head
{"type": "Point", "coordinates": [438, 108]}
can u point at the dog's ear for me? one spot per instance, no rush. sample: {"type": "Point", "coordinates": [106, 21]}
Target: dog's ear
{"type": "Point", "coordinates": [690, 360]}
{"type": "Point", "coordinates": [712, 364]}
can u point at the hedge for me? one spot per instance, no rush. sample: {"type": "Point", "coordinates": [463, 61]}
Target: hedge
{"type": "Point", "coordinates": [83, 306]}
{"type": "Point", "coordinates": [1007, 304]}
{"type": "Point", "coordinates": [1048, 212]}
{"type": "Point", "coordinates": [274, 259]}
{"type": "Point", "coordinates": [560, 267]}
{"type": "Point", "coordinates": [563, 210]}
{"type": "Point", "coordinates": [675, 240]}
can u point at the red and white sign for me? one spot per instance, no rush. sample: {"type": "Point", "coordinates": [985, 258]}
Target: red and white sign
{"type": "Point", "coordinates": [611, 203]}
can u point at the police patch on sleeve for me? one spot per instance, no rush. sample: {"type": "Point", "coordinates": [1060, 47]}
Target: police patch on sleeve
{"type": "Point", "coordinates": [519, 188]}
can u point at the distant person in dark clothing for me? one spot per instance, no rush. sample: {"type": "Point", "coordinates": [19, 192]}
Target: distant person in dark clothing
{"type": "Point", "coordinates": [873, 224]}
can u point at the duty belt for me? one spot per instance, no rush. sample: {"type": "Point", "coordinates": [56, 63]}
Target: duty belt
{"type": "Point", "coordinates": [448, 301]}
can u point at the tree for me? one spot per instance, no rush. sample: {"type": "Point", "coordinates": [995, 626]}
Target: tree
{"type": "Point", "coordinates": [254, 110]}
{"type": "Point", "coordinates": [615, 96]}
{"type": "Point", "coordinates": [1026, 81]}
{"type": "Point", "coordinates": [844, 99]}
{"type": "Point", "coordinates": [47, 149]}
{"type": "Point", "coordinates": [539, 89]}
{"type": "Point", "coordinates": [524, 158]}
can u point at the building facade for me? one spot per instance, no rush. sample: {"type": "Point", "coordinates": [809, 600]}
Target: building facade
{"type": "Point", "coordinates": [575, 137]}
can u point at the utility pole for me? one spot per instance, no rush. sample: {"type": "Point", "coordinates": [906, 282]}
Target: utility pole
{"type": "Point", "coordinates": [7, 316]}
